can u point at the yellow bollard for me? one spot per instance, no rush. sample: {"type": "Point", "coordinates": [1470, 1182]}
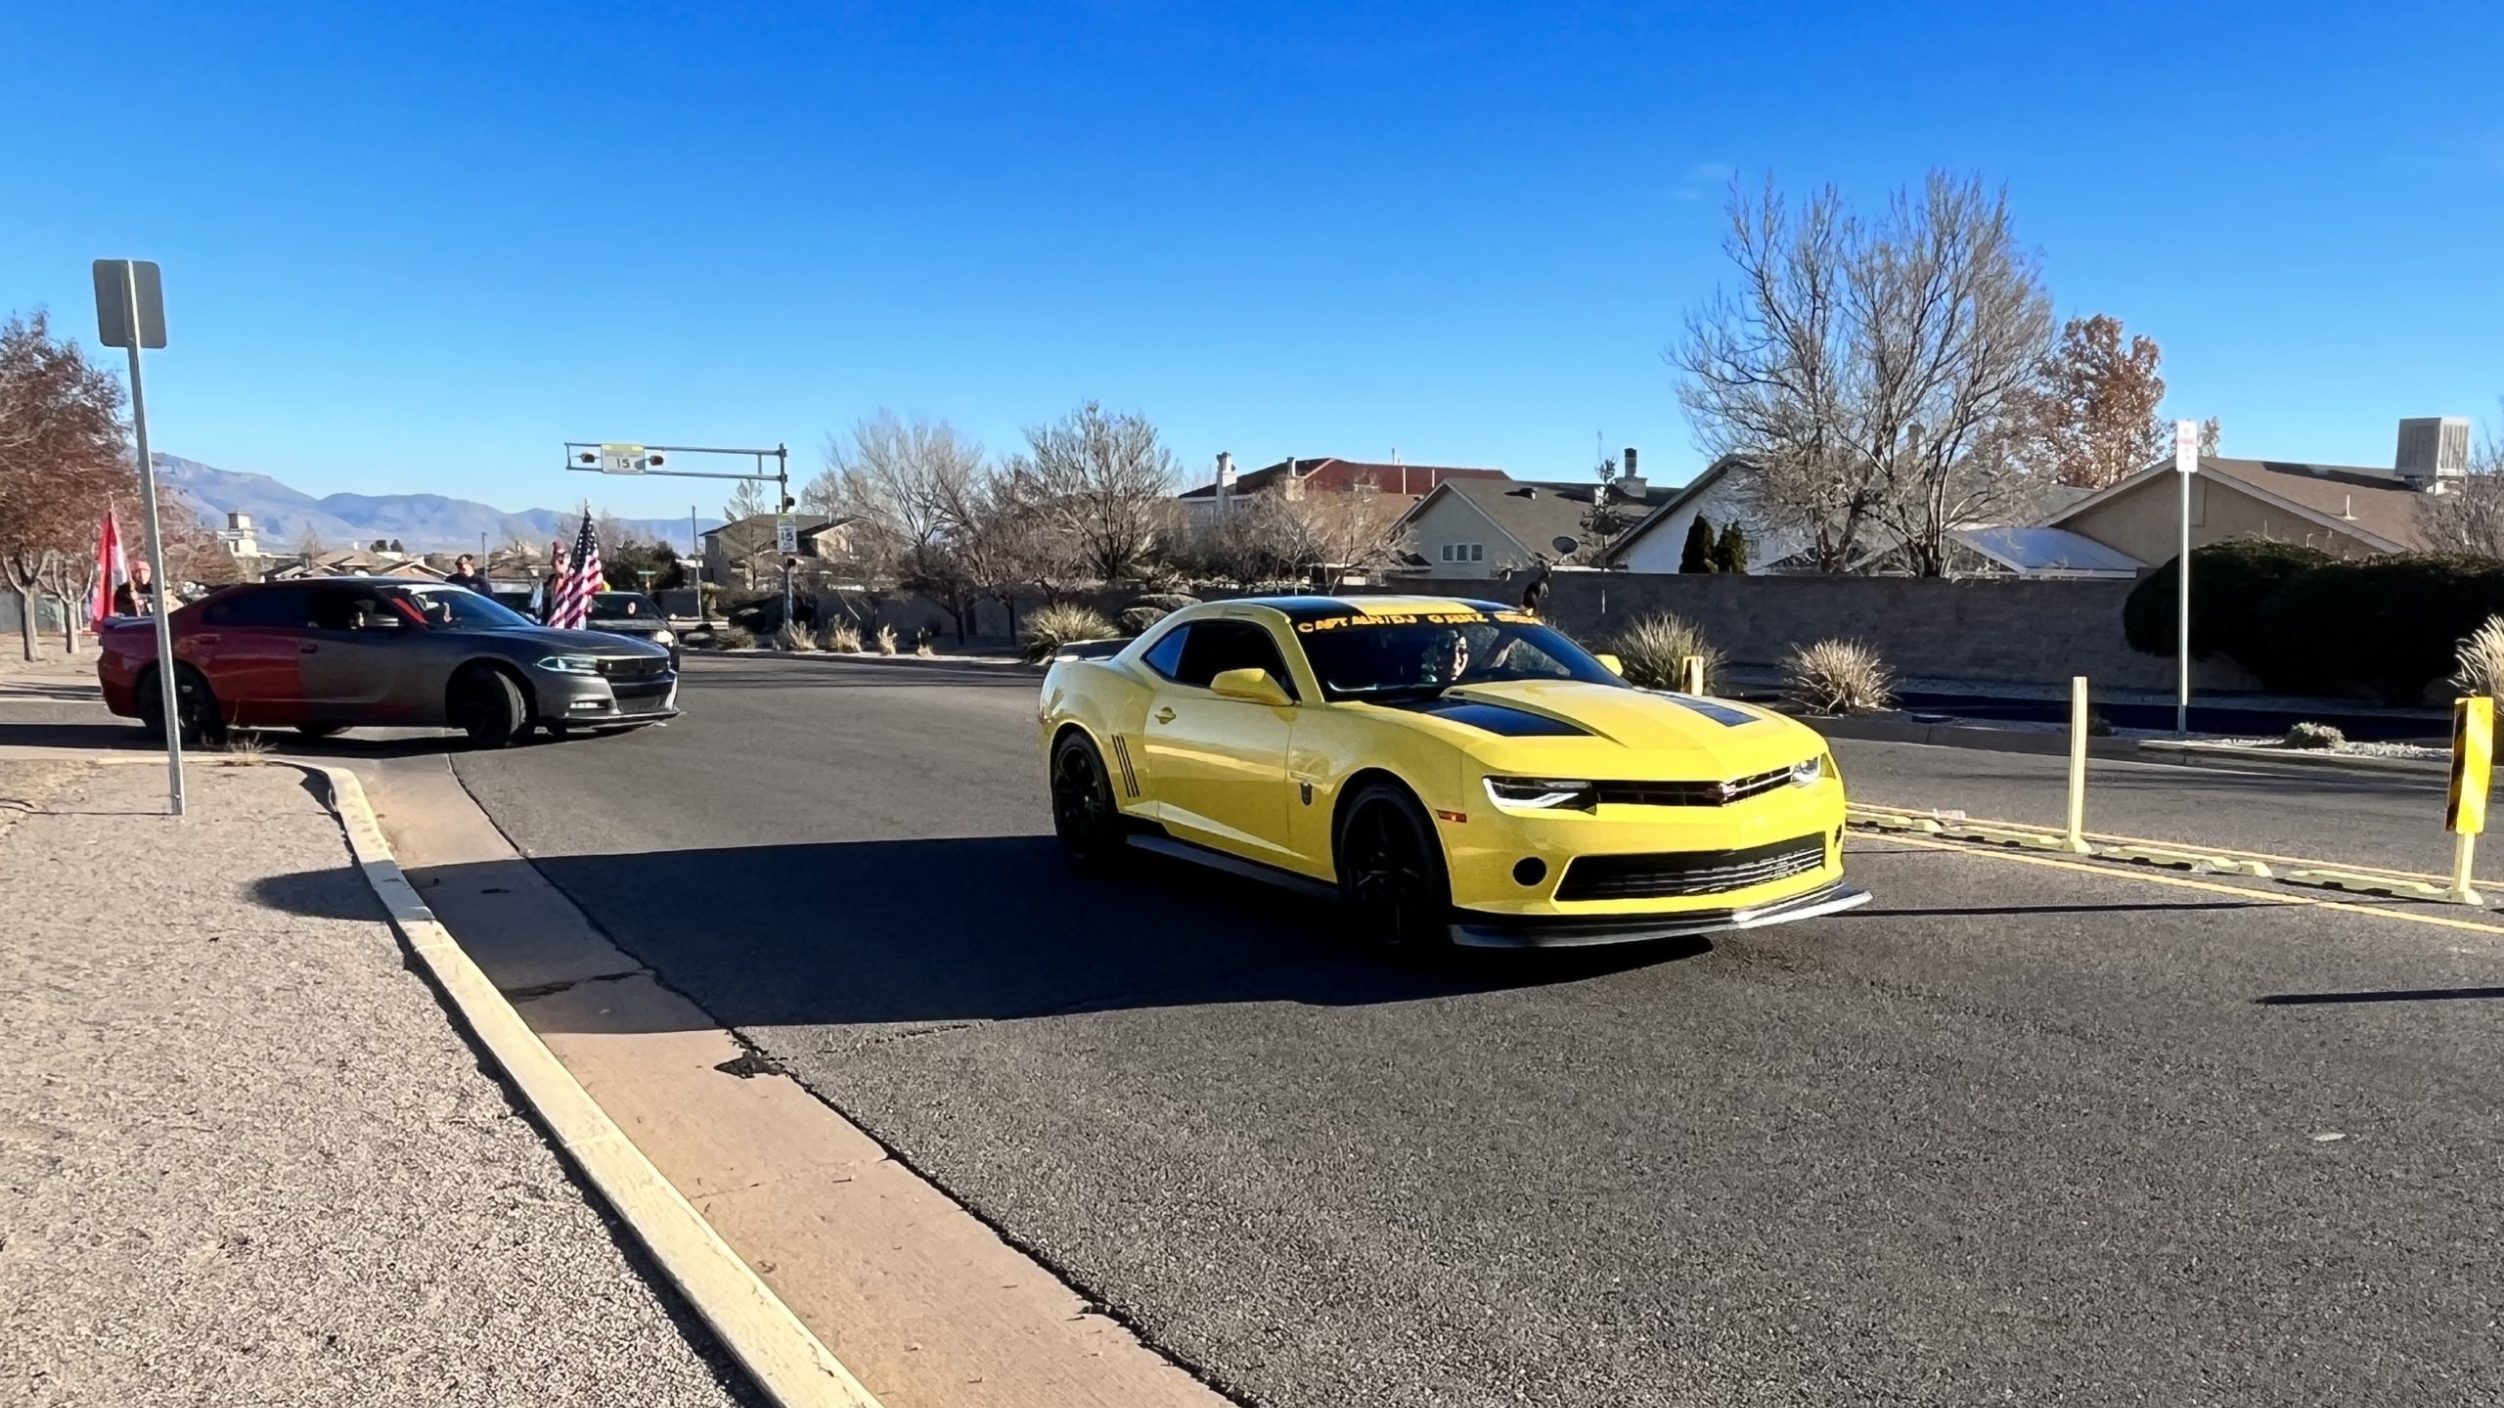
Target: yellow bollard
{"type": "Point", "coordinates": [1693, 673]}
{"type": "Point", "coordinates": [2473, 767]}
{"type": "Point", "coordinates": [2076, 840]}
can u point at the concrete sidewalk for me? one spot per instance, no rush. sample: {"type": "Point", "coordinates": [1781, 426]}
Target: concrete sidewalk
{"type": "Point", "coordinates": [245, 1156]}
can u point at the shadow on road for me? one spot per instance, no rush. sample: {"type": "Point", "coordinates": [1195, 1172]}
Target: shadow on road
{"type": "Point", "coordinates": [871, 933]}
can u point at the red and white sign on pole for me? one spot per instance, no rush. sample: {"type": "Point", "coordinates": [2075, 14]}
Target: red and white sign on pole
{"type": "Point", "coordinates": [2186, 447]}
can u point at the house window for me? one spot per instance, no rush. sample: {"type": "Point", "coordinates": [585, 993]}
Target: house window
{"type": "Point", "coordinates": [1477, 552]}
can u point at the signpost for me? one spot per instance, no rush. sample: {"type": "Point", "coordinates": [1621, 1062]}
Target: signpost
{"type": "Point", "coordinates": [130, 312]}
{"type": "Point", "coordinates": [786, 535]}
{"type": "Point", "coordinates": [2186, 468]}
{"type": "Point", "coordinates": [625, 459]}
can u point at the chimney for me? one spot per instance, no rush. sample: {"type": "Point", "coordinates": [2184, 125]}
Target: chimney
{"type": "Point", "coordinates": [2433, 450]}
{"type": "Point", "coordinates": [1626, 465]}
{"type": "Point", "coordinates": [1225, 480]}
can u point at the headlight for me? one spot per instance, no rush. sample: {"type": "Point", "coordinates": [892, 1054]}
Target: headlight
{"type": "Point", "coordinates": [665, 637]}
{"type": "Point", "coordinates": [1542, 793]}
{"type": "Point", "coordinates": [571, 664]}
{"type": "Point", "coordinates": [1808, 774]}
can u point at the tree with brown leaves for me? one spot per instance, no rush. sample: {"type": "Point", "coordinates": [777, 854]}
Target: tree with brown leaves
{"type": "Point", "coordinates": [64, 456]}
{"type": "Point", "coordinates": [2093, 418]}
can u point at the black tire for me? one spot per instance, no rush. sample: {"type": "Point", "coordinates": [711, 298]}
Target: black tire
{"type": "Point", "coordinates": [487, 705]}
{"type": "Point", "coordinates": [203, 721]}
{"type": "Point", "coordinates": [1393, 889]}
{"type": "Point", "coordinates": [319, 730]}
{"type": "Point", "coordinates": [1084, 815]}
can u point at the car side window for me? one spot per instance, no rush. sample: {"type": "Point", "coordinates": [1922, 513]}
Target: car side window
{"type": "Point", "coordinates": [286, 606]}
{"type": "Point", "coordinates": [1165, 657]}
{"type": "Point", "coordinates": [1218, 646]}
{"type": "Point", "coordinates": [351, 609]}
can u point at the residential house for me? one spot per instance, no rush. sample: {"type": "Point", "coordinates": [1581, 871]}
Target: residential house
{"type": "Point", "coordinates": [1483, 528]}
{"type": "Point", "coordinates": [1719, 496]}
{"type": "Point", "coordinates": [2345, 510]}
{"type": "Point", "coordinates": [741, 552]}
{"type": "Point", "coordinates": [1295, 478]}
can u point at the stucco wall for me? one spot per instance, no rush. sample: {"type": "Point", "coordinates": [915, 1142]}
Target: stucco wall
{"type": "Point", "coordinates": [2015, 632]}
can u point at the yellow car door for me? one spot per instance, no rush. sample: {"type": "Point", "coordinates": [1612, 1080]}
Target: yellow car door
{"type": "Point", "coordinates": [1218, 761]}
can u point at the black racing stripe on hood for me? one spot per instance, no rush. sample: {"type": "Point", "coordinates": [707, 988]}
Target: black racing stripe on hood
{"type": "Point", "coordinates": [1713, 709]}
{"type": "Point", "coordinates": [1494, 718]}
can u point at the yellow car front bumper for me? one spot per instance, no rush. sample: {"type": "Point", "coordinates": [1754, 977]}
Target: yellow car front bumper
{"type": "Point", "coordinates": [1634, 872]}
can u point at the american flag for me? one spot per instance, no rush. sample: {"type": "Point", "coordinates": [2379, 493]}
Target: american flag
{"type": "Point", "coordinates": [582, 577]}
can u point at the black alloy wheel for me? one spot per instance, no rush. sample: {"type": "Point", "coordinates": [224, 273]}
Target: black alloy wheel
{"type": "Point", "coordinates": [487, 705]}
{"type": "Point", "coordinates": [1084, 815]}
{"type": "Point", "coordinates": [203, 722]}
{"type": "Point", "coordinates": [1391, 876]}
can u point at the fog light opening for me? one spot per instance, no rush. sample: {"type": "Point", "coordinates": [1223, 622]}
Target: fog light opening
{"type": "Point", "coordinates": [1529, 870]}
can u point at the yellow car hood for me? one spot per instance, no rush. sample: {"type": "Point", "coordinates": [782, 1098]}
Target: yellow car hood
{"type": "Point", "coordinates": [1633, 733]}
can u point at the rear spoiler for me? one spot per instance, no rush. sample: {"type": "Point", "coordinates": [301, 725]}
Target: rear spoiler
{"type": "Point", "coordinates": [1091, 649]}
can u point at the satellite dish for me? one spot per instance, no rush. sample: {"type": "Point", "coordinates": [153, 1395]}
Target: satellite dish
{"type": "Point", "coordinates": [1564, 545]}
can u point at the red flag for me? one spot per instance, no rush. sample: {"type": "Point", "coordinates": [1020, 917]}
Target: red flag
{"type": "Point", "coordinates": [111, 570]}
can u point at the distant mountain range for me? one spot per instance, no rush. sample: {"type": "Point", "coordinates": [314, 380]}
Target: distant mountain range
{"type": "Point", "coordinates": [282, 516]}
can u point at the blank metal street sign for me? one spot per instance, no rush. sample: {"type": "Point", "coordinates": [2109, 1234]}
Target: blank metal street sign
{"type": "Point", "coordinates": [113, 302]}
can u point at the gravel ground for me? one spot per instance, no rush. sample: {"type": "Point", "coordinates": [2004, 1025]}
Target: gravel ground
{"type": "Point", "coordinates": [245, 1157]}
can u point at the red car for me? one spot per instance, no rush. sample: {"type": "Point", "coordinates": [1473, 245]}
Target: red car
{"type": "Point", "coordinates": [349, 652]}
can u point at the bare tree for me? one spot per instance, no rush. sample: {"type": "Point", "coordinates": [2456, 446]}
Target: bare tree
{"type": "Point", "coordinates": [2092, 420]}
{"type": "Point", "coordinates": [64, 457]}
{"type": "Point", "coordinates": [2468, 516]}
{"type": "Point", "coordinates": [1350, 534]}
{"type": "Point", "coordinates": [747, 532]}
{"type": "Point", "coordinates": [1102, 477]}
{"type": "Point", "coordinates": [1767, 371]}
{"type": "Point", "coordinates": [921, 495]}
{"type": "Point", "coordinates": [1870, 373]}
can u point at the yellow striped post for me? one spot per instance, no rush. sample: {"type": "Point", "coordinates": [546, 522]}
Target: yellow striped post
{"type": "Point", "coordinates": [2473, 768]}
{"type": "Point", "coordinates": [2076, 840]}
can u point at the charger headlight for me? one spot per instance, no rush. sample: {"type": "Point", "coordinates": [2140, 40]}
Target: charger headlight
{"type": "Point", "coordinates": [1542, 793]}
{"type": "Point", "coordinates": [571, 664]}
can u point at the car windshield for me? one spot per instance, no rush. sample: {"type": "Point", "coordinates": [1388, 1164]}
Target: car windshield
{"type": "Point", "coordinates": [623, 606]}
{"type": "Point", "coordinates": [1394, 657]}
{"type": "Point", "coordinates": [459, 609]}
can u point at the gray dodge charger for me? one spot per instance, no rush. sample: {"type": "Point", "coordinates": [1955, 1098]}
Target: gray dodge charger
{"type": "Point", "coordinates": [324, 655]}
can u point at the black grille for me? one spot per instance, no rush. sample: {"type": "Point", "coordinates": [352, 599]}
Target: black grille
{"type": "Point", "coordinates": [1672, 874]}
{"type": "Point", "coordinates": [1692, 794]}
{"type": "Point", "coordinates": [633, 667]}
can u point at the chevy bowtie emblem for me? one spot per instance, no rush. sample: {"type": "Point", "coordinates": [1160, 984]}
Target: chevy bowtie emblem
{"type": "Point", "coordinates": [1724, 791]}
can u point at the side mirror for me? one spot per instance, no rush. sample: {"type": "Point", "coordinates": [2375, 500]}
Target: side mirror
{"type": "Point", "coordinates": [1615, 666]}
{"type": "Point", "coordinates": [1250, 684]}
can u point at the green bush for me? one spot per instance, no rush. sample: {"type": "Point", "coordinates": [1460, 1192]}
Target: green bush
{"type": "Point", "coordinates": [2229, 581]}
{"type": "Point", "coordinates": [2388, 624]}
{"type": "Point", "coordinates": [1654, 651]}
{"type": "Point", "coordinates": [1048, 628]}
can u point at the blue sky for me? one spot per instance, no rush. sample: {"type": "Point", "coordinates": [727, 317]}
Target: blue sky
{"type": "Point", "coordinates": [418, 247]}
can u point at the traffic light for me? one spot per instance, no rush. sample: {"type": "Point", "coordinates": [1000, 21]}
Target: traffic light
{"type": "Point", "coordinates": [587, 457]}
{"type": "Point", "coordinates": [652, 461]}
{"type": "Point", "coordinates": [788, 502]}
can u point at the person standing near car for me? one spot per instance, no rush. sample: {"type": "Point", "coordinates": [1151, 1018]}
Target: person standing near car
{"type": "Point", "coordinates": [134, 597]}
{"type": "Point", "coordinates": [465, 573]}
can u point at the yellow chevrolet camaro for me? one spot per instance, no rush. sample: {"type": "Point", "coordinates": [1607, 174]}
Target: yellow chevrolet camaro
{"type": "Point", "coordinates": [1455, 770]}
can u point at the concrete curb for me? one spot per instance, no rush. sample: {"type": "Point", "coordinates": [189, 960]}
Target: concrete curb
{"type": "Point", "coordinates": [2240, 755]}
{"type": "Point", "coordinates": [779, 1353]}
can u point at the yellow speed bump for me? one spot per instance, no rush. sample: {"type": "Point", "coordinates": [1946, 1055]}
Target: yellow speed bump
{"type": "Point", "coordinates": [1896, 821]}
{"type": "Point", "coordinates": [2359, 882]}
{"type": "Point", "coordinates": [2196, 862]}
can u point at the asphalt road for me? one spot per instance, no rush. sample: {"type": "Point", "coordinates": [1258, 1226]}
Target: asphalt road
{"type": "Point", "coordinates": [2017, 1132]}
